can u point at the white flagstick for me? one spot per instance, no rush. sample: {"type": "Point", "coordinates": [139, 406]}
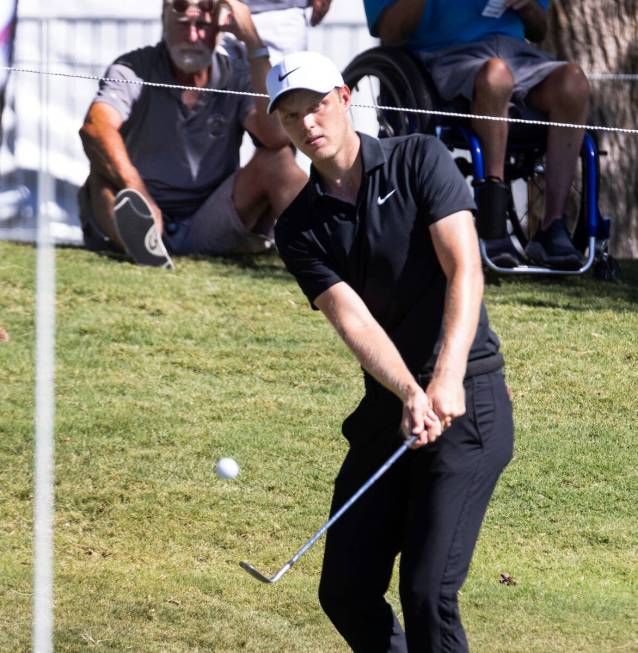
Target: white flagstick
{"type": "Point", "coordinates": [42, 635]}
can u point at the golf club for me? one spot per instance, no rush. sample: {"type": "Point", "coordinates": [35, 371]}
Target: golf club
{"type": "Point", "coordinates": [386, 465]}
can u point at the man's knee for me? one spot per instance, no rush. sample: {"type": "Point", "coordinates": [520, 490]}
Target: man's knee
{"type": "Point", "coordinates": [429, 605]}
{"type": "Point", "coordinates": [269, 163]}
{"type": "Point", "coordinates": [494, 80]}
{"type": "Point", "coordinates": [572, 86]}
{"type": "Point", "coordinates": [421, 602]}
{"type": "Point", "coordinates": [334, 599]}
{"type": "Point", "coordinates": [331, 603]}
{"type": "Point", "coordinates": [343, 602]}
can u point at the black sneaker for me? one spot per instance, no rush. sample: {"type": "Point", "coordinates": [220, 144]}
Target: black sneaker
{"type": "Point", "coordinates": [503, 252]}
{"type": "Point", "coordinates": [553, 248]}
{"type": "Point", "coordinates": [137, 231]}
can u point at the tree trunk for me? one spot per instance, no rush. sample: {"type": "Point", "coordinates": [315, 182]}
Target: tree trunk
{"type": "Point", "coordinates": [602, 36]}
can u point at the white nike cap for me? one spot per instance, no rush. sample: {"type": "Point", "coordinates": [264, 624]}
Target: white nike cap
{"type": "Point", "coordinates": [309, 71]}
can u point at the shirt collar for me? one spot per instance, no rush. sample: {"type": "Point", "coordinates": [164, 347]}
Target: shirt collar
{"type": "Point", "coordinates": [372, 157]}
{"type": "Point", "coordinates": [372, 153]}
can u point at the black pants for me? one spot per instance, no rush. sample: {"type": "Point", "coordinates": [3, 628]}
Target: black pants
{"type": "Point", "coordinates": [428, 507]}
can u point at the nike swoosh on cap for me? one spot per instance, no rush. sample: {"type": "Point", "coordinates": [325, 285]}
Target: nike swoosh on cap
{"type": "Point", "coordinates": [282, 77]}
{"type": "Point", "coordinates": [383, 200]}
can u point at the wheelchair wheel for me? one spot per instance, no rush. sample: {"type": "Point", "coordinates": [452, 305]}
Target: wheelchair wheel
{"type": "Point", "coordinates": [607, 269]}
{"type": "Point", "coordinates": [529, 202]}
{"type": "Point", "coordinates": [389, 77]}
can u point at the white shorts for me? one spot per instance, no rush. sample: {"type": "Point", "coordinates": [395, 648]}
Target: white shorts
{"type": "Point", "coordinates": [282, 31]}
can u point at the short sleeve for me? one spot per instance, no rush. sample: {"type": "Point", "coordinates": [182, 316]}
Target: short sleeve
{"type": "Point", "coordinates": [120, 89]}
{"type": "Point", "coordinates": [442, 188]}
{"type": "Point", "coordinates": [305, 259]}
{"type": "Point", "coordinates": [373, 9]}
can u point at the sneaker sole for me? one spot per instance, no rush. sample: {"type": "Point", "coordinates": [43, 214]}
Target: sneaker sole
{"type": "Point", "coordinates": [137, 231]}
{"type": "Point", "coordinates": [538, 256]}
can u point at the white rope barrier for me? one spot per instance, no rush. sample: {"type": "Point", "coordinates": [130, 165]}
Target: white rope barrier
{"type": "Point", "coordinates": [612, 77]}
{"type": "Point", "coordinates": [521, 121]}
{"type": "Point", "coordinates": [376, 107]}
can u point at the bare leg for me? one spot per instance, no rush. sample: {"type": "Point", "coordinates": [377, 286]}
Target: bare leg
{"type": "Point", "coordinates": [492, 92]}
{"type": "Point", "coordinates": [564, 95]}
{"type": "Point", "coordinates": [266, 186]}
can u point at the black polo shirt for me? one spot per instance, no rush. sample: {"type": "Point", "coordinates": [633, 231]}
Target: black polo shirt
{"type": "Point", "coordinates": [382, 246]}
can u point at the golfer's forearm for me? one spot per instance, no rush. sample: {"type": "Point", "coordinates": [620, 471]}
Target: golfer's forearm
{"type": "Point", "coordinates": [367, 340]}
{"type": "Point", "coordinates": [460, 320]}
{"type": "Point", "coordinates": [399, 20]}
{"type": "Point", "coordinates": [379, 357]}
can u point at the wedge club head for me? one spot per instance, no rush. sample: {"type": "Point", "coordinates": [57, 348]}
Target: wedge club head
{"type": "Point", "coordinates": [255, 573]}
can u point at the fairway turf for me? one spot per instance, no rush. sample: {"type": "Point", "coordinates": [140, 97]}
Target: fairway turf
{"type": "Point", "coordinates": [160, 374]}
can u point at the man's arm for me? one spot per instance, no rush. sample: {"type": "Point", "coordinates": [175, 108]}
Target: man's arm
{"type": "Point", "coordinates": [319, 10]}
{"type": "Point", "coordinates": [398, 21]}
{"type": "Point", "coordinates": [377, 354]}
{"type": "Point", "coordinates": [456, 246]}
{"type": "Point", "coordinates": [534, 18]}
{"type": "Point", "coordinates": [259, 123]}
{"type": "Point", "coordinates": [106, 151]}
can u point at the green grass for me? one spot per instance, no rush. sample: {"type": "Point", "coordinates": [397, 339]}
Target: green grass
{"type": "Point", "coordinates": [160, 374]}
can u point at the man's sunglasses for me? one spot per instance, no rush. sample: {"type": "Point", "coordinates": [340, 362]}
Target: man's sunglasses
{"type": "Point", "coordinates": [181, 6]}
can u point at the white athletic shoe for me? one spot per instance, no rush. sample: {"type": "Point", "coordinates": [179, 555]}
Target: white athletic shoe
{"type": "Point", "coordinates": [137, 231]}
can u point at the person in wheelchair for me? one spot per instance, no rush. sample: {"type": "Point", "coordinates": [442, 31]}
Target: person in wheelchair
{"type": "Point", "coordinates": [480, 51]}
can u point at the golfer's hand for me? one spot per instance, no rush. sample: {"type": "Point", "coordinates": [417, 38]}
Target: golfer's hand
{"type": "Point", "coordinates": [419, 419]}
{"type": "Point", "coordinates": [319, 10]}
{"type": "Point", "coordinates": [447, 395]}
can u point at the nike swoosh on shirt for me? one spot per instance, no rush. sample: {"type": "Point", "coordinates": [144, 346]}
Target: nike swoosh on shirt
{"type": "Point", "coordinates": [383, 200]}
{"type": "Point", "coordinates": [282, 77]}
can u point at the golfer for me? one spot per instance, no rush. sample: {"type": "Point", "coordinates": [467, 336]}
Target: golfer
{"type": "Point", "coordinates": [382, 241]}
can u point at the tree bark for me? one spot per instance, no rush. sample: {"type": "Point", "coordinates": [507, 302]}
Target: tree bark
{"type": "Point", "coordinates": [602, 36]}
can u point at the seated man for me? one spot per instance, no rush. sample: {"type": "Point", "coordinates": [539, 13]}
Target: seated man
{"type": "Point", "coordinates": [475, 50]}
{"type": "Point", "coordinates": [164, 175]}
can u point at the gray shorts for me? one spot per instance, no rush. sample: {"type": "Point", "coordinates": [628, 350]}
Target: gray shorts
{"type": "Point", "coordinates": [214, 229]}
{"type": "Point", "coordinates": [454, 69]}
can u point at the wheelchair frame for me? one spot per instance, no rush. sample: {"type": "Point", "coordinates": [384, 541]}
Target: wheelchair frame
{"type": "Point", "coordinates": [406, 83]}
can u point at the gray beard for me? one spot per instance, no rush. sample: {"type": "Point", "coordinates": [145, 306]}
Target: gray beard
{"type": "Point", "coordinates": [190, 61]}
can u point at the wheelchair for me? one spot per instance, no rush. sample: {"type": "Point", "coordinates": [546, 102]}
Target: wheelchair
{"type": "Point", "coordinates": [392, 77]}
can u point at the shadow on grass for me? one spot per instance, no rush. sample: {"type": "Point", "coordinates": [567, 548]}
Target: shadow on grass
{"type": "Point", "coordinates": [256, 265]}
{"type": "Point", "coordinates": [581, 293]}
{"type": "Point", "coordinates": [569, 293]}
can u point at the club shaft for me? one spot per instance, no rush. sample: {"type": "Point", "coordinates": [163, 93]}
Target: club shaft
{"type": "Point", "coordinates": [387, 464]}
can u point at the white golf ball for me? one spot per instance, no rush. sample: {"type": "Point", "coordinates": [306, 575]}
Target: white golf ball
{"type": "Point", "coordinates": [227, 468]}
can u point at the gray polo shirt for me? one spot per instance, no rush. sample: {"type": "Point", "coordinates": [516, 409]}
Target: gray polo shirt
{"type": "Point", "coordinates": [183, 155]}
{"type": "Point", "coordinates": [257, 6]}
